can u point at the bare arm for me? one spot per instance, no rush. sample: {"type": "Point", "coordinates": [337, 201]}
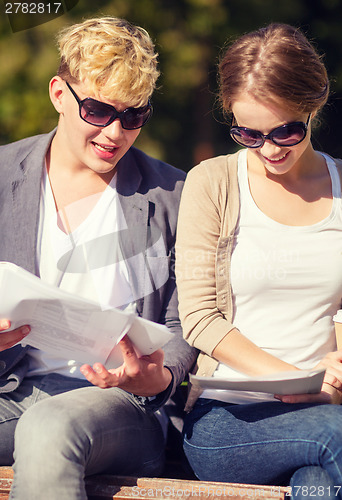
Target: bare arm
{"type": "Point", "coordinates": [241, 354]}
{"type": "Point", "coordinates": [244, 356]}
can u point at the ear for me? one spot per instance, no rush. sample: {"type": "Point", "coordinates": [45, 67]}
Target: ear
{"type": "Point", "coordinates": [315, 113]}
{"type": "Point", "coordinates": [56, 91]}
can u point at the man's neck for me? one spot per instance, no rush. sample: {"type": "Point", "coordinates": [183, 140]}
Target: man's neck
{"type": "Point", "coordinates": [69, 185]}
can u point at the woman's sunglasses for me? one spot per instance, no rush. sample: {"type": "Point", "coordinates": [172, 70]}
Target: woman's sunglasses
{"type": "Point", "coordinates": [101, 114]}
{"type": "Point", "coordinates": [286, 135]}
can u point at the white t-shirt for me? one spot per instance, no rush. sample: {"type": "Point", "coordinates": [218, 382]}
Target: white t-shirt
{"type": "Point", "coordinates": [86, 261]}
{"type": "Point", "coordinates": [286, 283]}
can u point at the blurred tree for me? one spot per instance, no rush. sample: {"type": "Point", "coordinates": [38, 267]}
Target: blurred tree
{"type": "Point", "coordinates": [189, 35]}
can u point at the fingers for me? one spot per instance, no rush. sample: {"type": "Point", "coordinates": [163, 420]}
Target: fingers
{"type": "Point", "coordinates": [130, 355]}
{"type": "Point", "coordinates": [333, 378]}
{"type": "Point", "coordinates": [331, 359]}
{"type": "Point", "coordinates": [331, 391]}
{"type": "Point", "coordinates": [10, 338]}
{"type": "Point", "coordinates": [321, 397]}
{"type": "Point", "coordinates": [156, 357]}
{"type": "Point", "coordinates": [134, 366]}
{"type": "Point", "coordinates": [144, 376]}
{"type": "Point", "coordinates": [100, 376]}
{"type": "Point", "coordinates": [328, 395]}
{"type": "Point", "coordinates": [4, 324]}
{"type": "Point", "coordinates": [130, 358]}
{"type": "Point", "coordinates": [332, 363]}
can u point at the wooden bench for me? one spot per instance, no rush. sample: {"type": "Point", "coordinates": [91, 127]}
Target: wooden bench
{"type": "Point", "coordinates": [103, 487]}
{"type": "Point", "coordinates": [178, 481]}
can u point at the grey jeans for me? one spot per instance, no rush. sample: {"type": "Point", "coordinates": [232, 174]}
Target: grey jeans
{"type": "Point", "coordinates": [62, 429]}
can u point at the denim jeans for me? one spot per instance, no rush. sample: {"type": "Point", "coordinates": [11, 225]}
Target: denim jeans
{"type": "Point", "coordinates": [66, 428]}
{"type": "Point", "coordinates": [267, 443]}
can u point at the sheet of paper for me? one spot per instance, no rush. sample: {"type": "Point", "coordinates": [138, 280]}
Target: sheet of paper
{"type": "Point", "coordinates": [291, 382]}
{"type": "Point", "coordinates": [69, 326]}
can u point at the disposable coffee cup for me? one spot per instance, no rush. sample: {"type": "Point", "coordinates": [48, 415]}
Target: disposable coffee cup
{"type": "Point", "coordinates": [338, 328]}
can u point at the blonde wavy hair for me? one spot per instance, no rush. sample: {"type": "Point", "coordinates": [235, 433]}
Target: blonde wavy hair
{"type": "Point", "coordinates": [111, 57]}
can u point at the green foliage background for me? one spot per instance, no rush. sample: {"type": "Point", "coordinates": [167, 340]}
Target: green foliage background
{"type": "Point", "coordinates": [189, 35]}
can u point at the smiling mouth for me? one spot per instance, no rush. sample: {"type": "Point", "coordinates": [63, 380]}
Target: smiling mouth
{"type": "Point", "coordinates": [276, 160]}
{"type": "Point", "coordinates": [102, 147]}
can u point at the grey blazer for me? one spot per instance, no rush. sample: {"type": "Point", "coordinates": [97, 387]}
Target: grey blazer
{"type": "Point", "coordinates": [149, 191]}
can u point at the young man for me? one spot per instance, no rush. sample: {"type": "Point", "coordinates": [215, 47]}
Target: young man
{"type": "Point", "coordinates": [84, 186]}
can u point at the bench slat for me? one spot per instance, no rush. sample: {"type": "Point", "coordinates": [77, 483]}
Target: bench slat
{"type": "Point", "coordinates": [149, 488]}
{"type": "Point", "coordinates": [105, 487]}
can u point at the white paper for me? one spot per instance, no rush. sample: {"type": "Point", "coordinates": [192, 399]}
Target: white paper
{"type": "Point", "coordinates": [69, 326]}
{"type": "Point", "coordinates": [291, 382]}
{"type": "Point", "coordinates": [338, 316]}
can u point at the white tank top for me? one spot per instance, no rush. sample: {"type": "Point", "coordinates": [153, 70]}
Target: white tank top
{"type": "Point", "coordinates": [286, 283]}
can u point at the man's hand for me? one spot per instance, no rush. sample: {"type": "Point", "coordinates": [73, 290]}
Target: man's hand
{"type": "Point", "coordinates": [9, 339]}
{"type": "Point", "coordinates": [145, 376]}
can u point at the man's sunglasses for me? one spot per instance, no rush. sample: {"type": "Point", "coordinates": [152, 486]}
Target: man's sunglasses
{"type": "Point", "coordinates": [101, 114]}
{"type": "Point", "coordinates": [286, 135]}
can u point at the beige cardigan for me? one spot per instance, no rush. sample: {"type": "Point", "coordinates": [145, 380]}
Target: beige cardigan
{"type": "Point", "coordinates": [207, 220]}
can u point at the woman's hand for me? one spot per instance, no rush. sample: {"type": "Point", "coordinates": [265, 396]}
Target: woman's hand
{"type": "Point", "coordinates": [331, 392]}
{"type": "Point", "coordinates": [145, 376]}
{"type": "Point", "coordinates": [328, 395]}
{"type": "Point", "coordinates": [9, 339]}
{"type": "Point", "coordinates": [332, 363]}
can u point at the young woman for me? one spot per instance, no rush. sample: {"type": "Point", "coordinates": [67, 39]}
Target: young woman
{"type": "Point", "coordinates": [259, 274]}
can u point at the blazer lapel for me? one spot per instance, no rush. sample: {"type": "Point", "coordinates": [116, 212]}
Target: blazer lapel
{"type": "Point", "coordinates": [25, 187]}
{"type": "Point", "coordinates": [133, 242]}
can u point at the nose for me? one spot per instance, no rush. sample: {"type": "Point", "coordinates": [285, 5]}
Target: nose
{"type": "Point", "coordinates": [114, 130]}
{"type": "Point", "coordinates": [269, 148]}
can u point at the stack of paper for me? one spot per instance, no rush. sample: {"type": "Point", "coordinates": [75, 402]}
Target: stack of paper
{"type": "Point", "coordinates": [290, 382]}
{"type": "Point", "coordinates": [69, 326]}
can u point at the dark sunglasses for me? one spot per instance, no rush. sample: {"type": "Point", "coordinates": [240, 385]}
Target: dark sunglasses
{"type": "Point", "coordinates": [101, 114]}
{"type": "Point", "coordinates": [288, 135]}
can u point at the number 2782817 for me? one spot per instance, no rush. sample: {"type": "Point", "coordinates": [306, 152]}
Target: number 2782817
{"type": "Point", "coordinates": [32, 8]}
